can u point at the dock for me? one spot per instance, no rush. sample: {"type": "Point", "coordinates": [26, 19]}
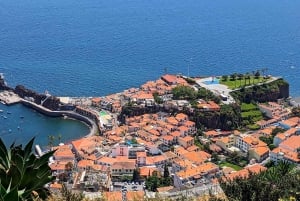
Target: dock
{"type": "Point", "coordinates": [9, 98]}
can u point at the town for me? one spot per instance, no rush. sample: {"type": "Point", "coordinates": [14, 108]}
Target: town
{"type": "Point", "coordinates": [177, 136]}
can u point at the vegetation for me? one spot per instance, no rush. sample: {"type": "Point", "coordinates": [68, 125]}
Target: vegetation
{"type": "Point", "coordinates": [250, 115]}
{"type": "Point", "coordinates": [23, 176]}
{"type": "Point", "coordinates": [190, 80]}
{"type": "Point", "coordinates": [241, 80]}
{"type": "Point", "coordinates": [231, 165]}
{"type": "Point", "coordinates": [153, 182]}
{"type": "Point", "coordinates": [157, 99]}
{"type": "Point", "coordinates": [235, 158]}
{"type": "Point", "coordinates": [262, 93]}
{"type": "Point", "coordinates": [182, 92]}
{"type": "Point", "coordinates": [136, 175]}
{"type": "Point", "coordinates": [278, 182]}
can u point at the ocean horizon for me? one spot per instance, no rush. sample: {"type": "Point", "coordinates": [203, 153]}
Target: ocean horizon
{"type": "Point", "coordinates": [99, 47]}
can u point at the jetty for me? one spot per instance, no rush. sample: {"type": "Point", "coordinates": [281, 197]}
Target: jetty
{"type": "Point", "coordinates": [9, 98]}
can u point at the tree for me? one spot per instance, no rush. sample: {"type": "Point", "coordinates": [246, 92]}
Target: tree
{"type": "Point", "coordinates": [278, 182]}
{"type": "Point", "coordinates": [166, 171]}
{"type": "Point", "coordinates": [224, 77]}
{"type": "Point", "coordinates": [23, 176]}
{"type": "Point", "coordinates": [67, 195]}
{"type": "Point", "coordinates": [136, 174]}
{"type": "Point", "coordinates": [157, 99]}
{"type": "Point", "coordinates": [257, 74]}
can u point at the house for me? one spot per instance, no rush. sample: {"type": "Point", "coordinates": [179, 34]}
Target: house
{"type": "Point", "coordinates": [147, 171]}
{"type": "Point", "coordinates": [259, 153]}
{"type": "Point", "coordinates": [173, 79]}
{"type": "Point", "coordinates": [85, 165]}
{"type": "Point", "coordinates": [63, 153]}
{"type": "Point", "coordinates": [186, 141]}
{"type": "Point", "coordinates": [141, 158]}
{"type": "Point", "coordinates": [168, 140]}
{"type": "Point", "coordinates": [244, 173]}
{"type": "Point", "coordinates": [226, 142]}
{"type": "Point", "coordinates": [196, 174]}
{"type": "Point", "coordinates": [246, 142]}
{"type": "Point", "coordinates": [198, 157]}
{"type": "Point", "coordinates": [288, 150]}
{"type": "Point", "coordinates": [120, 149]}
{"type": "Point", "coordinates": [122, 168]}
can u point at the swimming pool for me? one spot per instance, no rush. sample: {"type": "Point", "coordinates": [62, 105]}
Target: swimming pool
{"type": "Point", "coordinates": [209, 82]}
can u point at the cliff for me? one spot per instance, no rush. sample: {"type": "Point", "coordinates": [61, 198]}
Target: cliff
{"type": "Point", "coordinates": [51, 102]}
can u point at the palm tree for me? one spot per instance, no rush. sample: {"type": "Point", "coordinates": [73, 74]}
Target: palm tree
{"type": "Point", "coordinates": [23, 176]}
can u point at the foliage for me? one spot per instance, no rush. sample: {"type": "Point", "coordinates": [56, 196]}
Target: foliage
{"type": "Point", "coordinates": [207, 95]}
{"type": "Point", "coordinates": [231, 165]}
{"type": "Point", "coordinates": [236, 159]}
{"type": "Point", "coordinates": [253, 127]}
{"type": "Point", "coordinates": [136, 175]}
{"type": "Point", "coordinates": [277, 130]}
{"type": "Point", "coordinates": [268, 141]}
{"type": "Point", "coordinates": [190, 80]}
{"type": "Point", "coordinates": [153, 182]}
{"type": "Point", "coordinates": [263, 92]}
{"type": "Point", "coordinates": [68, 195]}
{"type": "Point", "coordinates": [279, 182]}
{"type": "Point", "coordinates": [157, 99]}
{"type": "Point", "coordinates": [245, 107]}
{"type": "Point", "coordinates": [182, 92]}
{"type": "Point", "coordinates": [241, 80]}
{"type": "Point", "coordinates": [23, 175]}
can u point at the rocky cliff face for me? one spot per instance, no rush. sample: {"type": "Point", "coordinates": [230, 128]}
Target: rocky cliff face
{"type": "Point", "coordinates": [3, 85]}
{"type": "Point", "coordinates": [51, 103]}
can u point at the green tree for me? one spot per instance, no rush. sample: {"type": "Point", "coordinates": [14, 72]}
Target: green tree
{"type": "Point", "coordinates": [157, 99]}
{"type": "Point", "coordinates": [166, 171]}
{"type": "Point", "coordinates": [23, 176]}
{"type": "Point", "coordinates": [184, 92]}
{"type": "Point", "coordinates": [224, 77]}
{"type": "Point", "coordinates": [136, 174]}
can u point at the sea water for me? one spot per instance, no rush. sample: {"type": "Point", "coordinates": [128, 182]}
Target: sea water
{"type": "Point", "coordinates": [98, 47]}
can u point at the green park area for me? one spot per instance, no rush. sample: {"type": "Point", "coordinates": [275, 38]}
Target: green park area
{"type": "Point", "coordinates": [236, 81]}
{"type": "Point", "coordinates": [250, 115]}
{"type": "Point", "coordinates": [233, 166]}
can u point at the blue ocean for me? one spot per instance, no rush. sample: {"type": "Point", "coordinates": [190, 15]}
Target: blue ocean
{"type": "Point", "coordinates": [98, 47]}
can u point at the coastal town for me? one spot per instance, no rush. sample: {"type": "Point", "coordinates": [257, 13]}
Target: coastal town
{"type": "Point", "coordinates": [172, 137]}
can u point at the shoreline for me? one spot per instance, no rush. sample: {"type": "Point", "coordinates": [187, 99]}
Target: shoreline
{"type": "Point", "coordinates": [69, 114]}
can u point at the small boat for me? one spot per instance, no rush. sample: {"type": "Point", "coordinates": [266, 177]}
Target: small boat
{"type": "Point", "coordinates": [18, 127]}
{"type": "Point", "coordinates": [8, 112]}
{"type": "Point", "coordinates": [9, 130]}
{"type": "Point", "coordinates": [1, 110]}
{"type": "Point", "coordinates": [5, 117]}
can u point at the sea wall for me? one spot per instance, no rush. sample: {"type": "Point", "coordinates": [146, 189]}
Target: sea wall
{"type": "Point", "coordinates": [51, 102]}
{"type": "Point", "coordinates": [70, 114]}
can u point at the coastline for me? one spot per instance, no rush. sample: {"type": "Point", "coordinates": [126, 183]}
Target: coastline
{"type": "Point", "coordinates": [72, 115]}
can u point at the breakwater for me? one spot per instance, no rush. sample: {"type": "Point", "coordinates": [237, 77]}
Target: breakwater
{"type": "Point", "coordinates": [43, 103]}
{"type": "Point", "coordinates": [70, 114]}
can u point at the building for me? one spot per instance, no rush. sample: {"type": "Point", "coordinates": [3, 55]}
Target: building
{"type": "Point", "coordinates": [186, 141]}
{"type": "Point", "coordinates": [288, 150]}
{"type": "Point", "coordinates": [122, 168]}
{"type": "Point", "coordinates": [195, 175]}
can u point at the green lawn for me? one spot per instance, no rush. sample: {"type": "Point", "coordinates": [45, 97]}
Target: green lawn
{"type": "Point", "coordinates": [234, 84]}
{"type": "Point", "coordinates": [247, 107]}
{"type": "Point", "coordinates": [233, 166]}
